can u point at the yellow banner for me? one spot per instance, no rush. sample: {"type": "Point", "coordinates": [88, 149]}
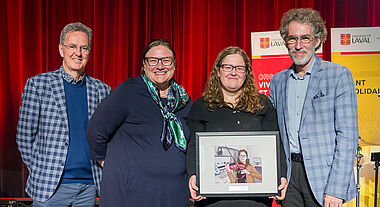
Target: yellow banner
{"type": "Point", "coordinates": [359, 50]}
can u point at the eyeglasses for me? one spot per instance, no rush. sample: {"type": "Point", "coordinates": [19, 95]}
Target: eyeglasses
{"type": "Point", "coordinates": [305, 39]}
{"type": "Point", "coordinates": [229, 68]}
{"type": "Point", "coordinates": [72, 48]}
{"type": "Point", "coordinates": [153, 61]}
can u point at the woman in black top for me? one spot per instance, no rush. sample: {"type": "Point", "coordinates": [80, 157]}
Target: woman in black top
{"type": "Point", "coordinates": [231, 102]}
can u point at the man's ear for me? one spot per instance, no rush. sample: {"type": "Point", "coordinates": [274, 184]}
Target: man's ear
{"type": "Point", "coordinates": [60, 48]}
{"type": "Point", "coordinates": [318, 44]}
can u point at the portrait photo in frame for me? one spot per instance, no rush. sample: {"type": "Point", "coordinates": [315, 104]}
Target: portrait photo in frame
{"type": "Point", "coordinates": [238, 164]}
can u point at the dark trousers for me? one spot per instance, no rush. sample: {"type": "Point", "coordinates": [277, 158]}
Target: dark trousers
{"type": "Point", "coordinates": [298, 193]}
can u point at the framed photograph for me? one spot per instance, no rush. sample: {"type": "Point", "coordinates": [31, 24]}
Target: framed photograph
{"type": "Point", "coordinates": [238, 164]}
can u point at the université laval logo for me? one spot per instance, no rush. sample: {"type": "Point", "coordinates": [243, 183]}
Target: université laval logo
{"type": "Point", "coordinates": [345, 39]}
{"type": "Point", "coordinates": [264, 42]}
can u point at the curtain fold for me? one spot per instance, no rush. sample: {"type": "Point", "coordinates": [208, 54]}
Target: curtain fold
{"type": "Point", "coordinates": [198, 29]}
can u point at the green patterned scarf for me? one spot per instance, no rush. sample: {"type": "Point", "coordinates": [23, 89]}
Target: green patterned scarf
{"type": "Point", "coordinates": [172, 128]}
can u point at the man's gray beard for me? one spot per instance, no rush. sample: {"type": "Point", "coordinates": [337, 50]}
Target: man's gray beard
{"type": "Point", "coordinates": [304, 60]}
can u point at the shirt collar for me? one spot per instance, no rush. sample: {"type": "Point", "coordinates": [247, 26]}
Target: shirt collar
{"type": "Point", "coordinates": [70, 79]}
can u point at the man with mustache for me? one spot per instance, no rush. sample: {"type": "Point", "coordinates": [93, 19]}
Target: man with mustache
{"type": "Point", "coordinates": [51, 131]}
{"type": "Point", "coordinates": [317, 114]}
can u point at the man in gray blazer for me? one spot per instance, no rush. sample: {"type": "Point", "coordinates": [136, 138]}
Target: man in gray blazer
{"type": "Point", "coordinates": [51, 132]}
{"type": "Point", "coordinates": [317, 115]}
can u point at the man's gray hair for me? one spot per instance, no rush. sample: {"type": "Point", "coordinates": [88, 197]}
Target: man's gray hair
{"type": "Point", "coordinates": [76, 27]}
{"type": "Point", "coordinates": [308, 16]}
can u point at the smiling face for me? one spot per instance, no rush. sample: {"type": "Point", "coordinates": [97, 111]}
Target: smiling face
{"type": "Point", "coordinates": [232, 81]}
{"type": "Point", "coordinates": [159, 74]}
{"type": "Point", "coordinates": [242, 157]}
{"type": "Point", "coordinates": [74, 61]}
{"type": "Point", "coordinates": [301, 53]}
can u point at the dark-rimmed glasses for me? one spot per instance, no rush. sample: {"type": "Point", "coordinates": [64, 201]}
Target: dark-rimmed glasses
{"type": "Point", "coordinates": [305, 39]}
{"type": "Point", "coordinates": [72, 48]}
{"type": "Point", "coordinates": [229, 68]}
{"type": "Point", "coordinates": [165, 61]}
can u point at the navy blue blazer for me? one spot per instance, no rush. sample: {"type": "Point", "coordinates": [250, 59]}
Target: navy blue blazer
{"type": "Point", "coordinates": [43, 130]}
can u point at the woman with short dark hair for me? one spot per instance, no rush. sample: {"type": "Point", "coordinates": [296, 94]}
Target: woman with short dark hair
{"type": "Point", "coordinates": [139, 131]}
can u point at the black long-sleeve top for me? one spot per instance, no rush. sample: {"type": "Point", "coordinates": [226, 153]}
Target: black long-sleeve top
{"type": "Point", "coordinates": [225, 119]}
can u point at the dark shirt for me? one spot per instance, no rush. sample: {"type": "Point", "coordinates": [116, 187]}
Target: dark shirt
{"type": "Point", "coordinates": [78, 166]}
{"type": "Point", "coordinates": [201, 119]}
{"type": "Point", "coordinates": [125, 131]}
{"type": "Point", "coordinates": [241, 178]}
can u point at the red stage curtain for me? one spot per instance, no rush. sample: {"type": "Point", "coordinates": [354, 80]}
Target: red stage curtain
{"type": "Point", "coordinates": [199, 29]}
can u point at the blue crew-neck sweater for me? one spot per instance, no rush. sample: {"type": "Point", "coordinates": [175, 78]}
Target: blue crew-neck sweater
{"type": "Point", "coordinates": [78, 166]}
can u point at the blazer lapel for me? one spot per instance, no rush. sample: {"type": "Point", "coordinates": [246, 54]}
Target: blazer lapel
{"type": "Point", "coordinates": [56, 84]}
{"type": "Point", "coordinates": [284, 99]}
{"type": "Point", "coordinates": [92, 96]}
{"type": "Point", "coordinates": [311, 88]}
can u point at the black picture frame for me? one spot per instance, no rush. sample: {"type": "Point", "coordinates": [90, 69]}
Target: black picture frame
{"type": "Point", "coordinates": [214, 150]}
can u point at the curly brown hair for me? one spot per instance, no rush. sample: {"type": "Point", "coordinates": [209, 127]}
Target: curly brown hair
{"type": "Point", "coordinates": [308, 16]}
{"type": "Point", "coordinates": [249, 98]}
